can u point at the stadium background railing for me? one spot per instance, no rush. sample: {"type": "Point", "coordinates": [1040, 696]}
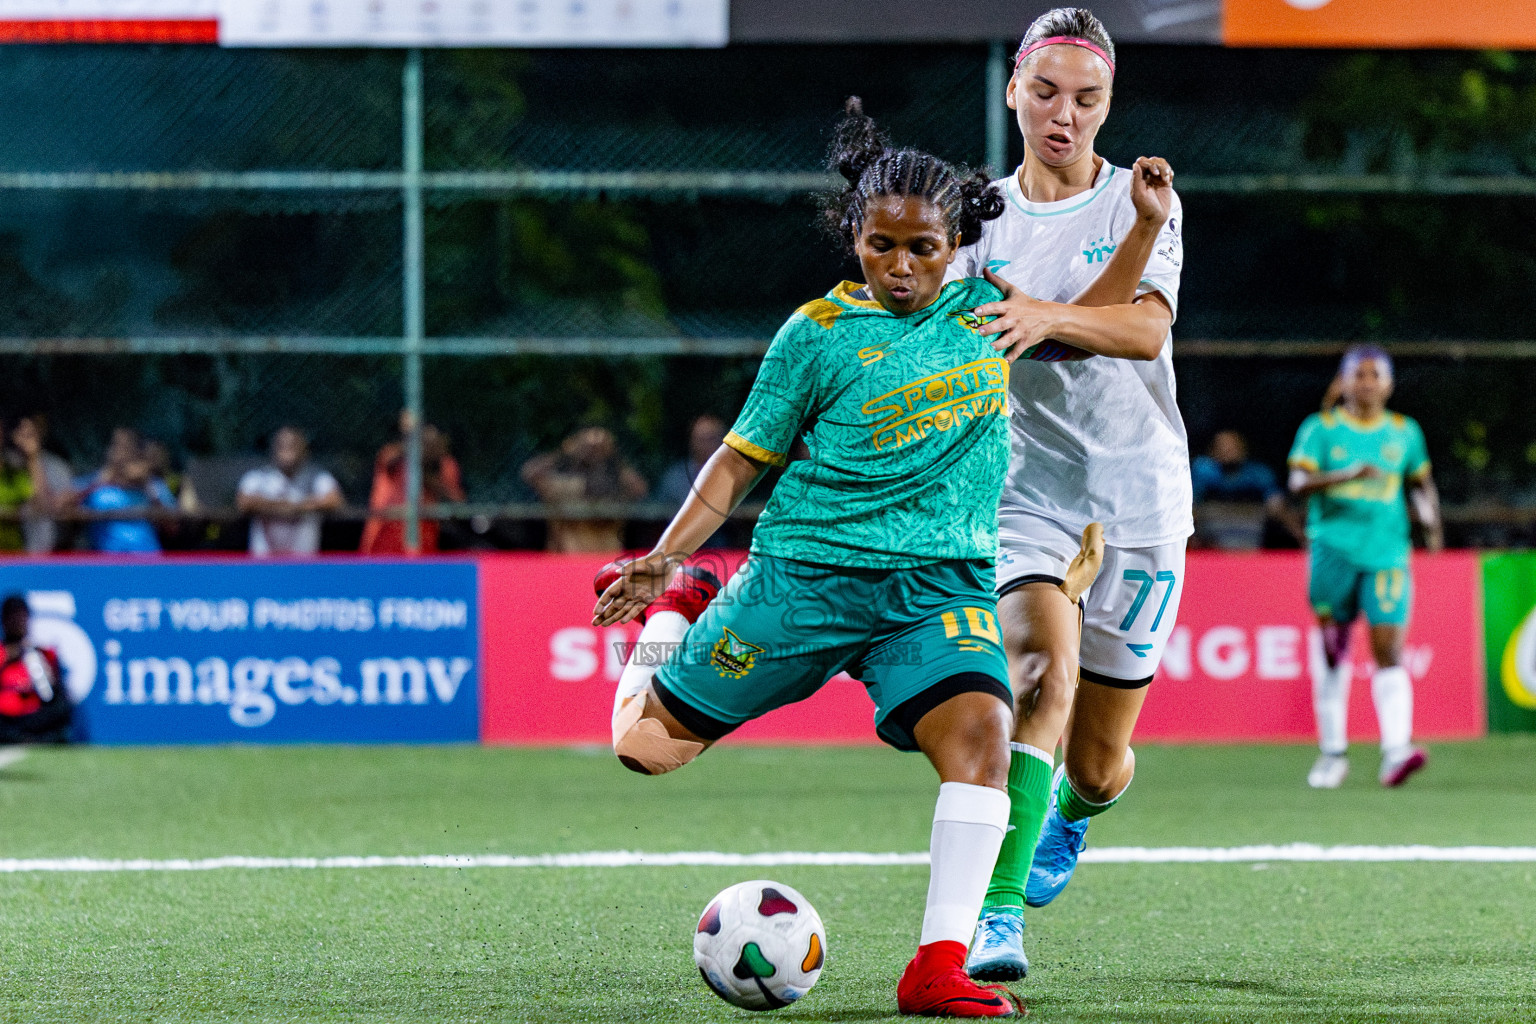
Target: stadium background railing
{"type": "Point", "coordinates": [207, 243]}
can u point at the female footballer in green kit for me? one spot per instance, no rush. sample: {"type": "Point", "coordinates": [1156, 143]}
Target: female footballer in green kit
{"type": "Point", "coordinates": [1355, 463]}
{"type": "Point", "coordinates": [875, 555]}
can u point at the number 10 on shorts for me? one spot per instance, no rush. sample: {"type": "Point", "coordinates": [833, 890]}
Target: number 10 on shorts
{"type": "Point", "coordinates": [1146, 582]}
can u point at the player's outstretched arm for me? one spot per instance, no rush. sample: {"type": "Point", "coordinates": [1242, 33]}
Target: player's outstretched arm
{"type": "Point", "coordinates": [721, 485]}
{"type": "Point", "coordinates": [1132, 330]}
{"type": "Point", "coordinates": [1305, 482]}
{"type": "Point", "coordinates": [1426, 506]}
{"type": "Point", "coordinates": [1152, 195]}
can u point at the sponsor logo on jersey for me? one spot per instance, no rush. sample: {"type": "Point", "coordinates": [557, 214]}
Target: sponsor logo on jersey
{"type": "Point", "coordinates": [732, 656]}
{"type": "Point", "coordinates": [938, 402]}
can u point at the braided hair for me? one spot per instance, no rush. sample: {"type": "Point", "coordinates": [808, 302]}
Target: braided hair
{"type": "Point", "coordinates": [863, 155]}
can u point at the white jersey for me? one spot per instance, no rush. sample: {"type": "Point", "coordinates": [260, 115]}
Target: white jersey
{"type": "Point", "coordinates": [1100, 440]}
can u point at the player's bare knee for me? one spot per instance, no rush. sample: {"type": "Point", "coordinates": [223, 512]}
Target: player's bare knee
{"type": "Point", "coordinates": [1101, 775]}
{"type": "Point", "coordinates": [643, 745]}
{"type": "Point", "coordinates": [1042, 681]}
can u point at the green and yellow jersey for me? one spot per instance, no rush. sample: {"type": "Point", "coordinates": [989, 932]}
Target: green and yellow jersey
{"type": "Point", "coordinates": [1364, 520]}
{"type": "Point", "coordinates": [906, 419]}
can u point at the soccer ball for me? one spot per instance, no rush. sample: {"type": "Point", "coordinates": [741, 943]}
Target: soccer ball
{"type": "Point", "coordinates": [760, 945]}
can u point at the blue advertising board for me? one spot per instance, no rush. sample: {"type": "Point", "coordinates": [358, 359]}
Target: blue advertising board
{"type": "Point", "coordinates": [252, 652]}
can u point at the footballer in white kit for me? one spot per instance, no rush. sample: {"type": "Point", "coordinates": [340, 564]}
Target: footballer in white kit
{"type": "Point", "coordinates": [1088, 256]}
{"type": "Point", "coordinates": [1095, 440]}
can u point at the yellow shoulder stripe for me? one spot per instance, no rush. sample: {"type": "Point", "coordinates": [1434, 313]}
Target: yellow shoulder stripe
{"type": "Point", "coordinates": [1399, 420]}
{"type": "Point", "coordinates": [1304, 463]}
{"type": "Point", "coordinates": [823, 311]}
{"type": "Point", "coordinates": [755, 452]}
{"type": "Point", "coordinates": [1329, 420]}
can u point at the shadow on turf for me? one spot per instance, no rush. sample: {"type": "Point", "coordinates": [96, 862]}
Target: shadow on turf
{"type": "Point", "coordinates": [1237, 985]}
{"type": "Point", "coordinates": [20, 775]}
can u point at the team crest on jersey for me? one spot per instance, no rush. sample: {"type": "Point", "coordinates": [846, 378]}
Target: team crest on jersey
{"type": "Point", "coordinates": [970, 321]}
{"type": "Point", "coordinates": [732, 656]}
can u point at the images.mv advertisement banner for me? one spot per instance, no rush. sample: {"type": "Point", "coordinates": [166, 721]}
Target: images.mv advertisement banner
{"type": "Point", "coordinates": [242, 652]}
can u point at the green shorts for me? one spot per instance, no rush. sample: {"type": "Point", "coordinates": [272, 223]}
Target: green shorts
{"type": "Point", "coordinates": [1342, 590]}
{"type": "Point", "coordinates": [780, 629]}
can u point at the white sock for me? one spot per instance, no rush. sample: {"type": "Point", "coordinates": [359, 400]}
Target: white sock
{"type": "Point", "coordinates": [968, 826]}
{"type": "Point", "coordinates": [664, 627]}
{"type": "Point", "coordinates": [1392, 690]}
{"type": "Point", "coordinates": [1330, 699]}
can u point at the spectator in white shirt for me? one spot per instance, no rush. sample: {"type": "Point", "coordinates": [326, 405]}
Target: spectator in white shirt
{"type": "Point", "coordinates": [287, 499]}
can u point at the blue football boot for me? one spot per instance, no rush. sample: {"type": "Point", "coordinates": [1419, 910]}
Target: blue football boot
{"type": "Point", "coordinates": [1056, 853]}
{"type": "Point", "coordinates": [998, 952]}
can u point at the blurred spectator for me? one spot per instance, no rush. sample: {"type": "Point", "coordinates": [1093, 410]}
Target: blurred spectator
{"type": "Point", "coordinates": [286, 498]}
{"type": "Point", "coordinates": [160, 468]}
{"type": "Point", "coordinates": [1235, 495]}
{"type": "Point", "coordinates": [705, 436]}
{"type": "Point", "coordinates": [39, 528]}
{"type": "Point", "coordinates": [586, 468]}
{"type": "Point", "coordinates": [24, 487]}
{"type": "Point", "coordinates": [124, 482]}
{"type": "Point", "coordinates": [440, 482]}
{"type": "Point", "coordinates": [34, 706]}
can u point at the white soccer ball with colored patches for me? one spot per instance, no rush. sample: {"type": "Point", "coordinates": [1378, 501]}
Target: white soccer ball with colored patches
{"type": "Point", "coordinates": [760, 945]}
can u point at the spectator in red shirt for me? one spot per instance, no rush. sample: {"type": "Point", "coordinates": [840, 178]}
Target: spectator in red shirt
{"type": "Point", "coordinates": [34, 706]}
{"type": "Point", "coordinates": [439, 483]}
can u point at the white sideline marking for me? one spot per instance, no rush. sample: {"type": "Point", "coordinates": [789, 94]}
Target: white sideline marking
{"type": "Point", "coordinates": [1299, 852]}
{"type": "Point", "coordinates": [10, 757]}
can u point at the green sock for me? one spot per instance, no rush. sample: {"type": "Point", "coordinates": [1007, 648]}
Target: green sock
{"type": "Point", "coordinates": [1029, 790]}
{"type": "Point", "coordinates": [1075, 808]}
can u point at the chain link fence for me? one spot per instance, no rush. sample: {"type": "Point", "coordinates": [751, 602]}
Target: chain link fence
{"type": "Point", "coordinates": [205, 244]}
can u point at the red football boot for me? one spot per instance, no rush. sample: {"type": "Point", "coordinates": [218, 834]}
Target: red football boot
{"type": "Point", "coordinates": [935, 985]}
{"type": "Point", "coordinates": [689, 593]}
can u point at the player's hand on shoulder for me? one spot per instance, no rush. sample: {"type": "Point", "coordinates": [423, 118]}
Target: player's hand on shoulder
{"type": "Point", "coordinates": [1152, 189]}
{"type": "Point", "coordinates": [1021, 322]}
{"type": "Point", "coordinates": [640, 582]}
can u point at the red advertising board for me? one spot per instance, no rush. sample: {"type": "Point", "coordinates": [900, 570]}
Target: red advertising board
{"type": "Point", "coordinates": [550, 674]}
{"type": "Point", "coordinates": [1239, 664]}
{"type": "Point", "coordinates": [1237, 667]}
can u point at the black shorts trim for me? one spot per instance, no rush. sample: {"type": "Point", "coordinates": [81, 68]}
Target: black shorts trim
{"type": "Point", "coordinates": [1119, 684]}
{"type": "Point", "coordinates": [1024, 581]}
{"type": "Point", "coordinates": [899, 727]}
{"type": "Point", "coordinates": [705, 727]}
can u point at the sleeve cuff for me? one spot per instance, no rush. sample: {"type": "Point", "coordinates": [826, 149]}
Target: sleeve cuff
{"type": "Point", "coordinates": [1310, 465]}
{"type": "Point", "coordinates": [1145, 287]}
{"type": "Point", "coordinates": [753, 451]}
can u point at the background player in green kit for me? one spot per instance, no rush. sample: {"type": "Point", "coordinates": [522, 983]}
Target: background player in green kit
{"type": "Point", "coordinates": [876, 554]}
{"type": "Point", "coordinates": [1355, 463]}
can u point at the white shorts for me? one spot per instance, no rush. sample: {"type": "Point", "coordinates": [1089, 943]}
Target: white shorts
{"type": "Point", "coordinates": [1129, 611]}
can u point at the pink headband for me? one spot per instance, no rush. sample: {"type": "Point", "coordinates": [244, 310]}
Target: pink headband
{"type": "Point", "coordinates": [1086, 44]}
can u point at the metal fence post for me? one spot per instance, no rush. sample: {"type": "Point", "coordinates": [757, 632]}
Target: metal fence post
{"type": "Point", "coordinates": [997, 107]}
{"type": "Point", "coordinates": [413, 262]}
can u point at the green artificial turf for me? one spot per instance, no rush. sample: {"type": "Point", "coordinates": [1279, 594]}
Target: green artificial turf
{"type": "Point", "coordinates": [1239, 942]}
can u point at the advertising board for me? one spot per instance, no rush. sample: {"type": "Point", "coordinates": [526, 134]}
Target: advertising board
{"type": "Point", "coordinates": [1509, 621]}
{"type": "Point", "coordinates": [242, 652]}
{"type": "Point", "coordinates": [1238, 666]}
{"type": "Point", "coordinates": [1240, 662]}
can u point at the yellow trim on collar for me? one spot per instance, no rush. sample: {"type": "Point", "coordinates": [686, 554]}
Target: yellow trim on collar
{"type": "Point", "coordinates": [844, 293]}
